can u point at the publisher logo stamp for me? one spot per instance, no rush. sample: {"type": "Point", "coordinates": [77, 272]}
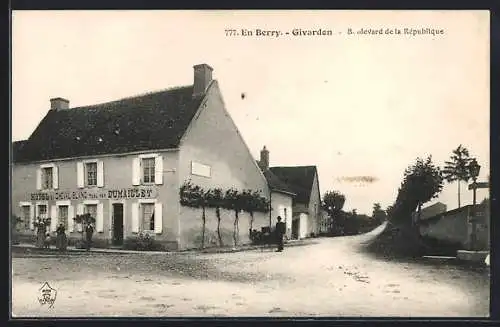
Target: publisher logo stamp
{"type": "Point", "coordinates": [47, 295]}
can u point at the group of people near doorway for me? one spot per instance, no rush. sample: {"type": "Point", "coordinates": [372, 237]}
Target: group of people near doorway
{"type": "Point", "coordinates": [62, 241]}
{"type": "Point", "coordinates": [44, 238]}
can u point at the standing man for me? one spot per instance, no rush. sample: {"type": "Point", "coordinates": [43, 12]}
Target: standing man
{"type": "Point", "coordinates": [89, 230]}
{"type": "Point", "coordinates": [280, 231]}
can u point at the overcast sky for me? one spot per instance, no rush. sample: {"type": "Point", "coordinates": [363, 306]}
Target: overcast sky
{"type": "Point", "coordinates": [353, 105]}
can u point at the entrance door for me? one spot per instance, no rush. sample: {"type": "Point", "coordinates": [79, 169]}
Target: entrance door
{"type": "Point", "coordinates": [295, 228]}
{"type": "Point", "coordinates": [117, 224]}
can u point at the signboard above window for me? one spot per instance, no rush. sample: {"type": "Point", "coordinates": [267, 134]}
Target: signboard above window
{"type": "Point", "coordinates": [200, 169]}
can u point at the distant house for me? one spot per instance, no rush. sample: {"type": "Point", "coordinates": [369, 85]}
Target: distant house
{"type": "Point", "coordinates": [455, 226]}
{"type": "Point", "coordinates": [281, 195]}
{"type": "Point", "coordinates": [303, 183]}
{"type": "Point", "coordinates": [430, 211]}
{"type": "Point", "coordinates": [124, 162]}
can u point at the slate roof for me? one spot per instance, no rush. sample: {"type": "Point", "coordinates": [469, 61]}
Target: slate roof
{"type": "Point", "coordinates": [299, 179]}
{"type": "Point", "coordinates": [17, 146]}
{"type": "Point", "coordinates": [156, 120]}
{"type": "Point", "coordinates": [277, 184]}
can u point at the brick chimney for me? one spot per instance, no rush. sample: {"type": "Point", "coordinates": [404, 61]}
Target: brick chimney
{"type": "Point", "coordinates": [264, 159]}
{"type": "Point", "coordinates": [202, 78]}
{"type": "Point", "coordinates": [59, 104]}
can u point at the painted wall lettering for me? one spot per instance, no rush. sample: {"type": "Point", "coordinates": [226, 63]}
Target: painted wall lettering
{"type": "Point", "coordinates": [128, 193]}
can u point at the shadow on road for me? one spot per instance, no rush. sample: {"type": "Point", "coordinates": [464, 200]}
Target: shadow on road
{"type": "Point", "coordinates": [381, 244]}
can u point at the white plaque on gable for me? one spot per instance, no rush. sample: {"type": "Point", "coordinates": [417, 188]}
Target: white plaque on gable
{"type": "Point", "coordinates": [200, 169]}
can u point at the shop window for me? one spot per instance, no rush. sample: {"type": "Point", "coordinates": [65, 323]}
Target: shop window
{"type": "Point", "coordinates": [26, 216]}
{"type": "Point", "coordinates": [148, 216]}
{"type": "Point", "coordinates": [63, 215]}
{"type": "Point", "coordinates": [91, 209]}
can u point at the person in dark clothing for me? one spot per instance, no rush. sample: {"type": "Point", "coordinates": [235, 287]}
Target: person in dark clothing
{"type": "Point", "coordinates": [61, 240]}
{"type": "Point", "coordinates": [89, 230]}
{"type": "Point", "coordinates": [280, 231]}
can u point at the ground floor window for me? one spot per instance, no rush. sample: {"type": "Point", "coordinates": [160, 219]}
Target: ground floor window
{"type": "Point", "coordinates": [63, 216]}
{"type": "Point", "coordinates": [26, 216]}
{"type": "Point", "coordinates": [148, 216]}
{"type": "Point", "coordinates": [91, 209]}
{"type": "Point", "coordinates": [42, 211]}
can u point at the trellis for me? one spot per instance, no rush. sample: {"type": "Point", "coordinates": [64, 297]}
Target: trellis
{"type": "Point", "coordinates": [232, 199]}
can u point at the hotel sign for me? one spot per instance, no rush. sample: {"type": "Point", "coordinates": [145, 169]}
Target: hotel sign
{"type": "Point", "coordinates": [98, 194]}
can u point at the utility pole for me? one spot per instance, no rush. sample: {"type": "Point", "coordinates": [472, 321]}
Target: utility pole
{"type": "Point", "coordinates": [474, 169]}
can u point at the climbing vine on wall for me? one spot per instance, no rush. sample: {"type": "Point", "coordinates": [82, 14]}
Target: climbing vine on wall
{"type": "Point", "coordinates": [232, 199]}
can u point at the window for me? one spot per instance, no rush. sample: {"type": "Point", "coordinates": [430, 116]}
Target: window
{"type": "Point", "coordinates": [148, 170]}
{"type": "Point", "coordinates": [26, 212]}
{"type": "Point", "coordinates": [91, 173]}
{"type": "Point", "coordinates": [91, 209]}
{"type": "Point", "coordinates": [148, 216]}
{"type": "Point", "coordinates": [42, 211]}
{"type": "Point", "coordinates": [63, 216]}
{"type": "Point", "coordinates": [47, 178]}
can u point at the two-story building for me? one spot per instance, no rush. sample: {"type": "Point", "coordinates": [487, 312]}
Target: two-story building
{"type": "Point", "coordinates": [124, 162]}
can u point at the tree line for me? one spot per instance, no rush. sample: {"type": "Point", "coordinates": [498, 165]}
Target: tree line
{"type": "Point", "coordinates": [342, 222]}
{"type": "Point", "coordinates": [422, 182]}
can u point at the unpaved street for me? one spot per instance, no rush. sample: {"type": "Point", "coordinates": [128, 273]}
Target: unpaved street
{"type": "Point", "coordinates": [330, 278]}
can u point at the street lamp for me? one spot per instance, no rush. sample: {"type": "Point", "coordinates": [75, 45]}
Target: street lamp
{"type": "Point", "coordinates": [474, 169]}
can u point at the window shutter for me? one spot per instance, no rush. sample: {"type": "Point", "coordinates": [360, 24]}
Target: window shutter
{"type": "Point", "coordinates": [158, 218]}
{"type": "Point", "coordinates": [32, 217]}
{"type": "Point", "coordinates": [79, 211]}
{"type": "Point", "coordinates": [159, 170]}
{"type": "Point", "coordinates": [36, 214]}
{"type": "Point", "coordinates": [53, 218]}
{"type": "Point", "coordinates": [55, 177]}
{"type": "Point", "coordinates": [39, 179]}
{"type": "Point", "coordinates": [100, 218]}
{"type": "Point", "coordinates": [71, 215]}
{"type": "Point", "coordinates": [80, 175]}
{"type": "Point", "coordinates": [100, 173]}
{"type": "Point", "coordinates": [135, 217]}
{"type": "Point", "coordinates": [136, 171]}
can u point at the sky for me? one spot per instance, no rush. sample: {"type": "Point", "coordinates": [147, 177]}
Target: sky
{"type": "Point", "coordinates": [354, 105]}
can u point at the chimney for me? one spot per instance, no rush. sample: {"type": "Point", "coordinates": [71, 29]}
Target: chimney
{"type": "Point", "coordinates": [59, 104]}
{"type": "Point", "coordinates": [202, 77]}
{"type": "Point", "coordinates": [264, 159]}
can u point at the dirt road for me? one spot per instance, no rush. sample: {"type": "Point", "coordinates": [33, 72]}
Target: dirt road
{"type": "Point", "coordinates": [331, 278]}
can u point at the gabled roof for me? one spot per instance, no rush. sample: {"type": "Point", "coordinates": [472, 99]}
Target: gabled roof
{"type": "Point", "coordinates": [299, 179]}
{"type": "Point", "coordinates": [276, 184]}
{"type": "Point", "coordinates": [156, 120]}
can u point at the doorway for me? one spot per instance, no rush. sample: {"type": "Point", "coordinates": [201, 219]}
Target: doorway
{"type": "Point", "coordinates": [295, 228]}
{"type": "Point", "coordinates": [117, 224]}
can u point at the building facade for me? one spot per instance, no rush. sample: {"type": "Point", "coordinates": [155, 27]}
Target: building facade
{"type": "Point", "coordinates": [125, 161]}
{"type": "Point", "coordinates": [455, 226]}
{"type": "Point", "coordinates": [299, 196]}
